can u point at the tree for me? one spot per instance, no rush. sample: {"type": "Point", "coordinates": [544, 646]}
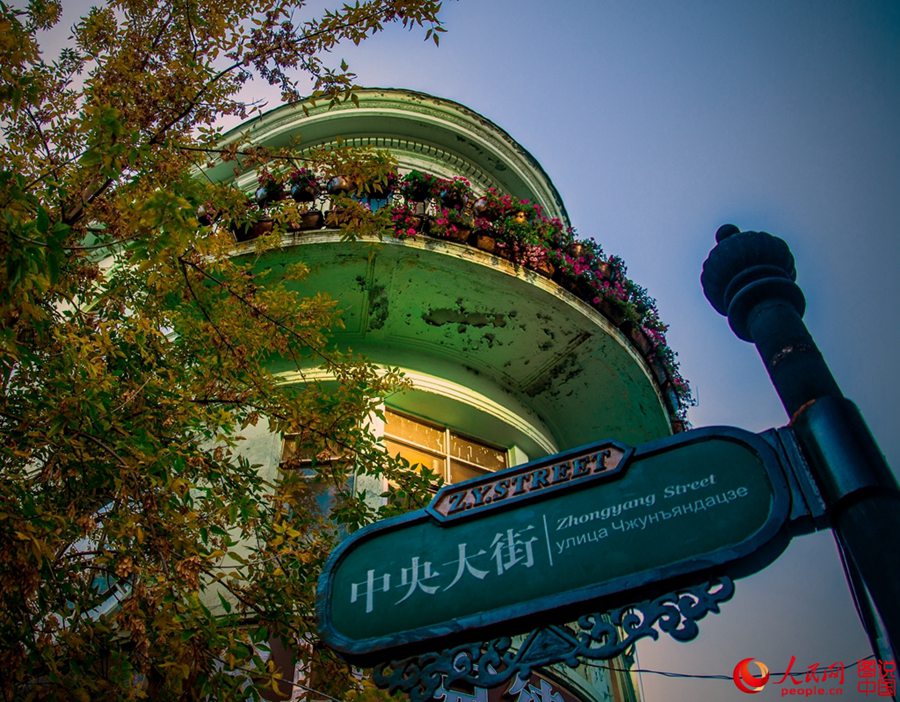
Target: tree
{"type": "Point", "coordinates": [135, 349]}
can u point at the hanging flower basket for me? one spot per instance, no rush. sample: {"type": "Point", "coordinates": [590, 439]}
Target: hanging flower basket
{"type": "Point", "coordinates": [304, 186]}
{"type": "Point", "coordinates": [269, 191]}
{"type": "Point", "coordinates": [454, 193]}
{"type": "Point", "coordinates": [339, 185]}
{"type": "Point", "coordinates": [206, 215]}
{"type": "Point", "coordinates": [416, 186]}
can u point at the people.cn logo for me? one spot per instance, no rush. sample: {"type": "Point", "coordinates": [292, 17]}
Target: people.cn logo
{"type": "Point", "coordinates": [746, 681]}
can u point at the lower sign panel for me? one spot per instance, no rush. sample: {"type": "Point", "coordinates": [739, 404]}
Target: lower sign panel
{"type": "Point", "coordinates": [704, 502]}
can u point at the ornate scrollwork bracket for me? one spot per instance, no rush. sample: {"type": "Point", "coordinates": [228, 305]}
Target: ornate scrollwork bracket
{"type": "Point", "coordinates": [594, 636]}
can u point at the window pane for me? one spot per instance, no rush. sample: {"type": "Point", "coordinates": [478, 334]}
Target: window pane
{"type": "Point", "coordinates": [461, 471]}
{"type": "Point", "coordinates": [414, 456]}
{"type": "Point", "coordinates": [399, 426]}
{"type": "Point", "coordinates": [479, 454]}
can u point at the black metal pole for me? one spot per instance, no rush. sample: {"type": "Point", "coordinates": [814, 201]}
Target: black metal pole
{"type": "Point", "coordinates": [749, 277]}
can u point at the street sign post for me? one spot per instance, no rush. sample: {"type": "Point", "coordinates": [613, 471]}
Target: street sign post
{"type": "Point", "coordinates": [535, 544]}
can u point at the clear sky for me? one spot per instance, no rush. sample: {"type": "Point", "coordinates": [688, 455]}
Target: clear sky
{"type": "Point", "coordinates": [658, 122]}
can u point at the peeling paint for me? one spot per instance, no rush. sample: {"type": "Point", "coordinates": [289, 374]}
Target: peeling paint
{"type": "Point", "coordinates": [378, 306]}
{"type": "Point", "coordinates": [552, 381]}
{"type": "Point", "coordinates": [463, 319]}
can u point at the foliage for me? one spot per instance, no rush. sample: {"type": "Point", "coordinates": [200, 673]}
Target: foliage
{"type": "Point", "coordinates": [405, 221]}
{"type": "Point", "coordinates": [450, 224]}
{"type": "Point", "coordinates": [453, 192]}
{"type": "Point", "coordinates": [417, 186]}
{"type": "Point", "coordinates": [304, 177]}
{"type": "Point", "coordinates": [134, 353]}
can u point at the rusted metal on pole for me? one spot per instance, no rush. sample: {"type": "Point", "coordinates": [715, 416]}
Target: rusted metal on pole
{"type": "Point", "coordinates": [750, 278]}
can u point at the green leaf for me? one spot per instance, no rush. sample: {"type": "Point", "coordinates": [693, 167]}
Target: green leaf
{"type": "Point", "coordinates": [43, 220]}
{"type": "Point", "coordinates": [226, 605]}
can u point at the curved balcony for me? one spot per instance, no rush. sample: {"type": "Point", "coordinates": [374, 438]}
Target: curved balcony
{"type": "Point", "coordinates": [449, 311]}
{"type": "Point", "coordinates": [492, 294]}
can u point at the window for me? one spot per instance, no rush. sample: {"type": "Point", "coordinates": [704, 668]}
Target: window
{"type": "Point", "coordinates": [451, 455]}
{"type": "Point", "coordinates": [313, 467]}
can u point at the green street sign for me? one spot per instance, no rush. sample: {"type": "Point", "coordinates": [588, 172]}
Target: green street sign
{"type": "Point", "coordinates": [553, 539]}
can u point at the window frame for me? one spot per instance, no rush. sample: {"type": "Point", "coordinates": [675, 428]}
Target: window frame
{"type": "Point", "coordinates": [445, 454]}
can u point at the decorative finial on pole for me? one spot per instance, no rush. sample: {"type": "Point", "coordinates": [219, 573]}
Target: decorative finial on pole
{"type": "Point", "coordinates": [750, 278]}
{"type": "Point", "coordinates": [725, 231]}
{"type": "Point", "coordinates": [746, 267]}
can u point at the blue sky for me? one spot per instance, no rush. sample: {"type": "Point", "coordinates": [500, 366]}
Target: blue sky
{"type": "Point", "coordinates": [660, 121]}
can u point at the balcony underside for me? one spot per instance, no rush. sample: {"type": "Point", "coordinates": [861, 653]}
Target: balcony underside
{"type": "Point", "coordinates": [452, 312]}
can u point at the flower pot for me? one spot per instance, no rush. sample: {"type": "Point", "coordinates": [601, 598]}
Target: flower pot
{"type": "Point", "coordinates": [640, 340]}
{"type": "Point", "coordinates": [561, 278]}
{"type": "Point", "coordinates": [309, 221]}
{"type": "Point", "coordinates": [612, 311]}
{"type": "Point", "coordinates": [247, 231]}
{"type": "Point", "coordinates": [659, 370]}
{"type": "Point", "coordinates": [544, 267]}
{"type": "Point", "coordinates": [504, 250]}
{"type": "Point", "coordinates": [336, 216]}
{"type": "Point", "coordinates": [461, 235]}
{"type": "Point", "coordinates": [678, 426]}
{"type": "Point", "coordinates": [485, 242]}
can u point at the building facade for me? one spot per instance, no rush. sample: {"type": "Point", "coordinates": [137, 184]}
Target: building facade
{"type": "Point", "coordinates": [509, 359]}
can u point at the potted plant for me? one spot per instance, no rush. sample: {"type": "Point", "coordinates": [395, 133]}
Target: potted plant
{"type": "Point", "coordinates": [406, 222]}
{"type": "Point", "coordinates": [451, 224]}
{"type": "Point", "coordinates": [269, 190]}
{"type": "Point", "coordinates": [304, 185]}
{"type": "Point", "coordinates": [492, 205]}
{"type": "Point", "coordinates": [416, 186]}
{"type": "Point", "coordinates": [453, 193]}
{"type": "Point", "coordinates": [250, 226]}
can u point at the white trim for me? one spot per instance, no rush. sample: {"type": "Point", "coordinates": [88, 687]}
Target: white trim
{"type": "Point", "coordinates": [448, 389]}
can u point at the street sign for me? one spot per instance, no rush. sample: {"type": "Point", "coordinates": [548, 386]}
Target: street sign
{"type": "Point", "coordinates": [553, 539]}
